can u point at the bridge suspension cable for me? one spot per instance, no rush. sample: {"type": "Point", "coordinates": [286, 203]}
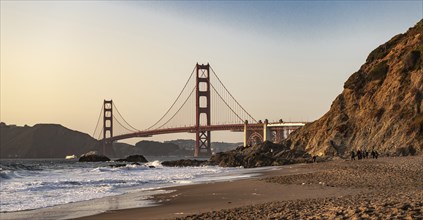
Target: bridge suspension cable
{"type": "Point", "coordinates": [174, 103]}
{"type": "Point", "coordinates": [226, 102]}
{"type": "Point", "coordinates": [123, 126]}
{"type": "Point", "coordinates": [173, 116]}
{"type": "Point", "coordinates": [117, 110]}
{"type": "Point", "coordinates": [98, 121]}
{"type": "Point", "coordinates": [233, 98]}
{"type": "Point", "coordinates": [99, 134]}
{"type": "Point", "coordinates": [224, 108]}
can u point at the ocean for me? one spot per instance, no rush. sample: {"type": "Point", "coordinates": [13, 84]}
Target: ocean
{"type": "Point", "coordinates": [28, 184]}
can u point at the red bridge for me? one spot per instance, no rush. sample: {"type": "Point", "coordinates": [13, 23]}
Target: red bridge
{"type": "Point", "coordinates": [203, 96]}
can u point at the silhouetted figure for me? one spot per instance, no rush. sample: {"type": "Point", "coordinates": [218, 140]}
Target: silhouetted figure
{"type": "Point", "coordinates": [367, 154]}
{"type": "Point", "coordinates": [373, 154]}
{"type": "Point", "coordinates": [376, 154]}
{"type": "Point", "coordinates": [314, 158]}
{"type": "Point", "coordinates": [359, 155]}
{"type": "Point", "coordinates": [352, 155]}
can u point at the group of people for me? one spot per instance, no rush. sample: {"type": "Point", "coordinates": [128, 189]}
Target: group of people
{"type": "Point", "coordinates": [364, 154]}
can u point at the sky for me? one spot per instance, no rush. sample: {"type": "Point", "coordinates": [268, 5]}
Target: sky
{"type": "Point", "coordinates": [280, 59]}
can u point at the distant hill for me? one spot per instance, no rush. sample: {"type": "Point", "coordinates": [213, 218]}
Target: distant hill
{"type": "Point", "coordinates": [56, 141]}
{"type": "Point", "coordinates": [43, 141]}
{"type": "Point", "coordinates": [381, 106]}
{"type": "Point", "coordinates": [189, 144]}
{"type": "Point", "coordinates": [180, 147]}
{"type": "Point", "coordinates": [154, 148]}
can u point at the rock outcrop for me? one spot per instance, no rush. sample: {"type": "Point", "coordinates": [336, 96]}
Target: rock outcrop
{"type": "Point", "coordinates": [93, 156]}
{"type": "Point", "coordinates": [185, 163]}
{"type": "Point", "coordinates": [381, 106]}
{"type": "Point", "coordinates": [265, 154]}
{"type": "Point", "coordinates": [134, 158]}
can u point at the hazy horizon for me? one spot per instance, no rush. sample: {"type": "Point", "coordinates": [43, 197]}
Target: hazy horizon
{"type": "Point", "coordinates": [289, 60]}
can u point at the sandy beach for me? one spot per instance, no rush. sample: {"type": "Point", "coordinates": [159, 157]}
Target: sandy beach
{"type": "Point", "coordinates": [390, 187]}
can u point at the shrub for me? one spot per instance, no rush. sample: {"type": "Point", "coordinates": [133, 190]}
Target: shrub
{"type": "Point", "coordinates": [356, 81]}
{"type": "Point", "coordinates": [413, 61]}
{"type": "Point", "coordinates": [383, 50]}
{"type": "Point", "coordinates": [379, 71]}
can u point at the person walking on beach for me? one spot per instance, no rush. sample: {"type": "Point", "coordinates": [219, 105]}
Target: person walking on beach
{"type": "Point", "coordinates": [352, 155]}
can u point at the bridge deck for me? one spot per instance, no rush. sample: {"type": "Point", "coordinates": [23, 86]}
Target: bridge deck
{"type": "Point", "coordinates": [193, 129]}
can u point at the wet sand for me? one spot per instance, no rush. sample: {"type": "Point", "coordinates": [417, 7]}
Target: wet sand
{"type": "Point", "coordinates": [387, 188]}
{"type": "Point", "coordinates": [374, 189]}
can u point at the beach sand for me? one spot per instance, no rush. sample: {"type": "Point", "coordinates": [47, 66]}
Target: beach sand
{"type": "Point", "coordinates": [390, 187]}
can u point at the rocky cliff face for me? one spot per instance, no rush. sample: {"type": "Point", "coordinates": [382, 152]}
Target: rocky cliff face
{"type": "Point", "coordinates": [381, 106]}
{"type": "Point", "coordinates": [43, 141]}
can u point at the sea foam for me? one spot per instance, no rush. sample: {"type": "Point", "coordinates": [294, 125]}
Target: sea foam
{"type": "Point", "coordinates": [28, 187]}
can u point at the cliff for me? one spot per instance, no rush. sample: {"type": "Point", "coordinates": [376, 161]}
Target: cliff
{"type": "Point", "coordinates": [380, 107]}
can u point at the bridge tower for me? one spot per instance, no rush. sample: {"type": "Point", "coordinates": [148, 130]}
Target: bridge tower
{"type": "Point", "coordinates": [202, 103]}
{"type": "Point", "coordinates": [107, 125]}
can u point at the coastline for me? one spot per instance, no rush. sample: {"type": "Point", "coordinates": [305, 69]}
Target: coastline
{"type": "Point", "coordinates": [389, 187]}
{"type": "Point", "coordinates": [199, 198]}
{"type": "Point", "coordinates": [386, 187]}
{"type": "Point", "coordinates": [136, 199]}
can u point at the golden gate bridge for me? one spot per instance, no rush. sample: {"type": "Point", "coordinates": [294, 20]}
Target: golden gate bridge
{"type": "Point", "coordinates": [203, 105]}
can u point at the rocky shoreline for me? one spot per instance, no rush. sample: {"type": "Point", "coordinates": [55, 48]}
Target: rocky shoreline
{"type": "Point", "coordinates": [260, 155]}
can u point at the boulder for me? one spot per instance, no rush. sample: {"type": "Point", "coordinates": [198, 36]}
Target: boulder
{"type": "Point", "coordinates": [185, 163]}
{"type": "Point", "coordinates": [134, 158]}
{"type": "Point", "coordinates": [93, 156]}
{"type": "Point", "coordinates": [264, 154]}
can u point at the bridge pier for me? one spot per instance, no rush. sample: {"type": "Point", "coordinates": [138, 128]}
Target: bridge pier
{"type": "Point", "coordinates": [267, 133]}
{"type": "Point", "coordinates": [108, 148]}
{"type": "Point", "coordinates": [246, 135]}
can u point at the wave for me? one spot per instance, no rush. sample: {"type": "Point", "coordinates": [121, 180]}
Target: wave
{"type": "Point", "coordinates": [155, 163]}
{"type": "Point", "coordinates": [18, 166]}
{"type": "Point", "coordinates": [10, 174]}
{"type": "Point", "coordinates": [6, 174]}
{"type": "Point", "coordinates": [129, 167]}
{"type": "Point", "coordinates": [64, 182]}
{"type": "Point", "coordinates": [17, 170]}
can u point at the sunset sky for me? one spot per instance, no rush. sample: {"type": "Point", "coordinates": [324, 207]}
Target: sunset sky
{"type": "Point", "coordinates": [288, 59]}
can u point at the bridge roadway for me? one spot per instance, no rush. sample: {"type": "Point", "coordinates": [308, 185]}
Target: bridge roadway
{"type": "Point", "coordinates": [193, 129]}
